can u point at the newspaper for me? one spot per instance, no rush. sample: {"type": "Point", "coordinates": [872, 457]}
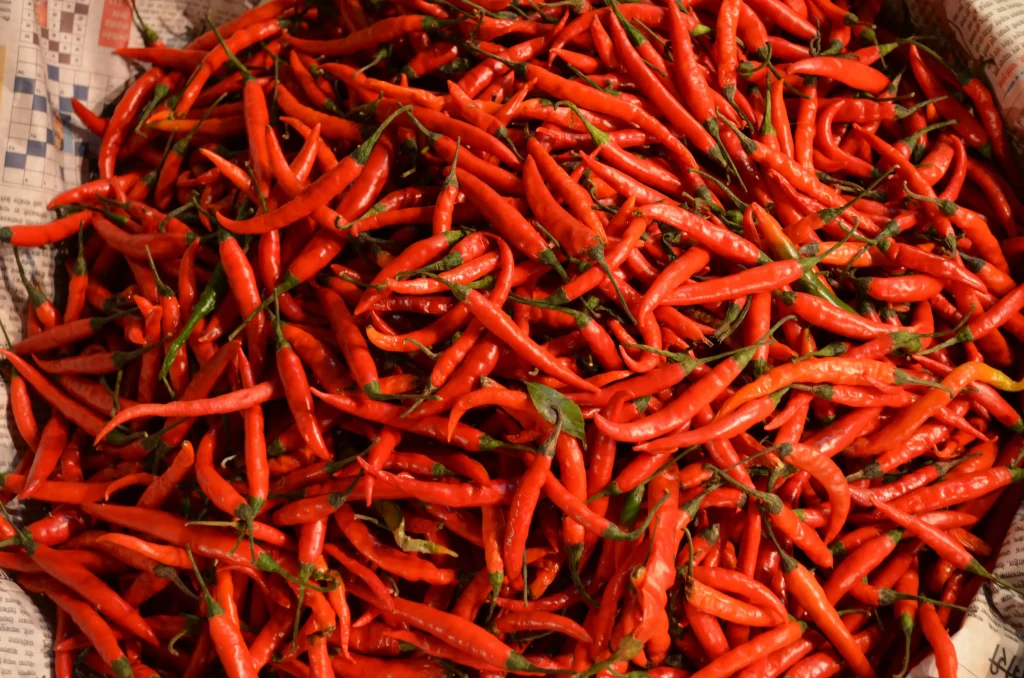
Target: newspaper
{"type": "Point", "coordinates": [54, 50]}
{"type": "Point", "coordinates": [989, 33]}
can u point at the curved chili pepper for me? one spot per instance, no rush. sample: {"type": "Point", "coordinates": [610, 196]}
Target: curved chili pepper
{"type": "Point", "coordinates": [83, 582]}
{"type": "Point", "coordinates": [681, 119]}
{"type": "Point", "coordinates": [701, 257]}
{"type": "Point", "coordinates": [99, 633]}
{"type": "Point", "coordinates": [229, 402]}
{"type": "Point", "coordinates": [367, 38]}
{"type": "Point", "coordinates": [911, 419]}
{"type": "Point", "coordinates": [128, 107]}
{"type": "Point", "coordinates": [806, 590]}
{"type": "Point", "coordinates": [45, 234]}
{"type": "Point", "coordinates": [317, 194]}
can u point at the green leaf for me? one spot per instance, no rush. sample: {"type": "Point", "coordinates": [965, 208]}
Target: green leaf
{"type": "Point", "coordinates": [549, 402]}
{"type": "Point", "coordinates": [394, 520]}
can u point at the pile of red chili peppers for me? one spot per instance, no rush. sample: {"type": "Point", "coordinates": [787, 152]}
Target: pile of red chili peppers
{"type": "Point", "coordinates": [429, 338]}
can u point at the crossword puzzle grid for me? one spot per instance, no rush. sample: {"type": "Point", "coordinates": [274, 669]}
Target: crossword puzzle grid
{"type": "Point", "coordinates": [57, 27]}
{"type": "Point", "coordinates": [40, 150]}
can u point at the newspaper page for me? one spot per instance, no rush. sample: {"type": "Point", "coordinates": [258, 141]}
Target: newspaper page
{"type": "Point", "coordinates": [53, 51]}
{"type": "Point", "coordinates": [988, 33]}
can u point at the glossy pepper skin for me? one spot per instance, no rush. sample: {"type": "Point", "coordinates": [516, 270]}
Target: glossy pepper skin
{"type": "Point", "coordinates": [658, 333]}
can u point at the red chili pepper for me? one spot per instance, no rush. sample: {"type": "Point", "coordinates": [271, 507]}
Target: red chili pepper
{"type": "Point", "coordinates": [194, 407]}
{"type": "Point", "coordinates": [99, 633]}
{"type": "Point", "coordinates": [45, 234]}
{"type": "Point", "coordinates": [74, 412]}
{"type": "Point", "coordinates": [225, 631]}
{"type": "Point", "coordinates": [105, 600]}
{"type": "Point", "coordinates": [633, 226]}
{"type": "Point", "coordinates": [938, 638]}
{"type": "Point", "coordinates": [159, 491]}
{"type": "Point", "coordinates": [47, 453]}
{"type": "Point", "coordinates": [366, 38]}
{"type": "Point", "coordinates": [964, 123]}
{"type": "Point", "coordinates": [808, 593]}
{"type": "Point", "coordinates": [297, 393]}
{"type": "Point", "coordinates": [681, 120]}
{"type": "Point", "coordinates": [316, 195]}
{"type": "Point", "coordinates": [128, 107]}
